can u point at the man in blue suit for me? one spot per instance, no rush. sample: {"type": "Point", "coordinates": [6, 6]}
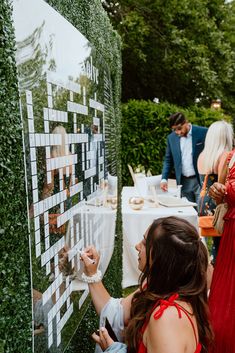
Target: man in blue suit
{"type": "Point", "coordinates": [184, 145]}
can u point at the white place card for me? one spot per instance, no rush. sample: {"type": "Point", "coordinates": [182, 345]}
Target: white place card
{"type": "Point", "coordinates": [38, 250]}
{"type": "Point", "coordinates": [46, 126]}
{"type": "Point", "coordinates": [50, 341]}
{"type": "Point", "coordinates": [47, 242]}
{"type": "Point", "coordinates": [48, 268]}
{"type": "Point", "coordinates": [36, 223]}
{"type": "Point", "coordinates": [33, 168]}
{"type": "Point", "coordinates": [29, 111]}
{"type": "Point", "coordinates": [37, 236]}
{"type": "Point", "coordinates": [28, 97]}
{"type": "Point", "coordinates": [45, 113]}
{"type": "Point", "coordinates": [49, 101]}
{"type": "Point", "coordinates": [33, 154]}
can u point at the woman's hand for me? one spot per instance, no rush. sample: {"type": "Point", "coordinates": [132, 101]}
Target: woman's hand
{"type": "Point", "coordinates": [217, 192]}
{"type": "Point", "coordinates": [102, 338]}
{"type": "Point", "coordinates": [90, 258]}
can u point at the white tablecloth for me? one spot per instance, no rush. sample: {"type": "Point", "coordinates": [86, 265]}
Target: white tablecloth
{"type": "Point", "coordinates": [96, 226]}
{"type": "Point", "coordinates": [135, 224]}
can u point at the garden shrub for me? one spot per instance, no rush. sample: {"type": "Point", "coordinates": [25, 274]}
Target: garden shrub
{"type": "Point", "coordinates": [145, 128]}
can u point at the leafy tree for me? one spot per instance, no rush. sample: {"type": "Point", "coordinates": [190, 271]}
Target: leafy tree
{"type": "Point", "coordinates": [176, 50]}
{"type": "Point", "coordinates": [229, 28]}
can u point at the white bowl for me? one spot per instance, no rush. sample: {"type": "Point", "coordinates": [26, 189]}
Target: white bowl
{"type": "Point", "coordinates": [136, 203]}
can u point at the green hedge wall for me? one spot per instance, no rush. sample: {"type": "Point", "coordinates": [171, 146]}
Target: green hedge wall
{"type": "Point", "coordinates": [145, 128]}
{"type": "Point", "coordinates": [15, 296]}
{"type": "Point", "coordinates": [15, 308]}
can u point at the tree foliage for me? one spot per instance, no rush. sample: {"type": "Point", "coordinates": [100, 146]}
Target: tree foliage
{"type": "Point", "coordinates": [176, 50]}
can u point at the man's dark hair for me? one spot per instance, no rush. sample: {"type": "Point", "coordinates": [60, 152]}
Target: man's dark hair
{"type": "Point", "coordinates": [177, 119]}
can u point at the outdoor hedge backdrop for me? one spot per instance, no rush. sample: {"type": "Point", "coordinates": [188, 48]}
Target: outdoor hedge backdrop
{"type": "Point", "coordinates": [15, 296]}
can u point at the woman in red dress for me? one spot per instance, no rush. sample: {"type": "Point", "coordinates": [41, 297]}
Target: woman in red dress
{"type": "Point", "coordinates": [222, 292]}
{"type": "Point", "coordinates": [168, 313]}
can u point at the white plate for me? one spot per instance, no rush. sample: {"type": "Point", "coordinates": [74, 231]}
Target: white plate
{"type": "Point", "coordinates": [172, 201]}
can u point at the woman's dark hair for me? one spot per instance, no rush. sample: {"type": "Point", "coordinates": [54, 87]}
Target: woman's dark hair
{"type": "Point", "coordinates": [177, 119]}
{"type": "Point", "coordinates": [176, 262]}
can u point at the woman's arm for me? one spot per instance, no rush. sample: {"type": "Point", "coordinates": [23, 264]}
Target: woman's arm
{"type": "Point", "coordinates": [99, 294]}
{"type": "Point", "coordinates": [223, 168]}
{"type": "Point", "coordinates": [126, 303]}
{"type": "Point", "coordinates": [200, 164]}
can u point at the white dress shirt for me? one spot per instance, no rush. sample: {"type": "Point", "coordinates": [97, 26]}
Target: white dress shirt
{"type": "Point", "coordinates": [186, 148]}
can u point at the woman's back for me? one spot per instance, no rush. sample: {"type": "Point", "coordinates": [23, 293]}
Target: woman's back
{"type": "Point", "coordinates": [203, 167]}
{"type": "Point", "coordinates": [172, 328]}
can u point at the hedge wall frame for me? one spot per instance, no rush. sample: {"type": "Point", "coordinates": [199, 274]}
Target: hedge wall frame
{"type": "Point", "coordinates": [90, 18]}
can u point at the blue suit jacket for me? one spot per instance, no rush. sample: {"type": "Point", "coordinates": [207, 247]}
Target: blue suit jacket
{"type": "Point", "coordinates": [173, 152]}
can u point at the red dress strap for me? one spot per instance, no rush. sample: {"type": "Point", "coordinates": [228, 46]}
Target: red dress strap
{"type": "Point", "coordinates": [198, 344]}
{"type": "Point", "coordinates": [163, 305]}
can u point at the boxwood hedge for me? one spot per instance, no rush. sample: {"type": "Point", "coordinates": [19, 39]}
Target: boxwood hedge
{"type": "Point", "coordinates": [145, 128]}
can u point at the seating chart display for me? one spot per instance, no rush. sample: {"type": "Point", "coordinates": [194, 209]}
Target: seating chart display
{"type": "Point", "coordinates": [69, 142]}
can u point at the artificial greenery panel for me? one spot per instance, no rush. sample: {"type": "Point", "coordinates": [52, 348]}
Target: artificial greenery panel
{"type": "Point", "coordinates": [15, 312]}
{"type": "Point", "coordinates": [15, 307]}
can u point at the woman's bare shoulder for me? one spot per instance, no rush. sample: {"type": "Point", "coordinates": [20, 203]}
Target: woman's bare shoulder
{"type": "Point", "coordinates": [167, 315]}
{"type": "Point", "coordinates": [170, 330]}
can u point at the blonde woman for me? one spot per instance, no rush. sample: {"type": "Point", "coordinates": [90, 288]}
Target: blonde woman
{"type": "Point", "coordinates": [62, 149]}
{"type": "Point", "coordinates": [219, 141]}
{"type": "Point", "coordinates": [57, 151]}
{"type": "Point", "coordinates": [61, 179]}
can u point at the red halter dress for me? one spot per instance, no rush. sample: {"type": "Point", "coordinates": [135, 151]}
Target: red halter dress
{"type": "Point", "coordinates": [164, 304]}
